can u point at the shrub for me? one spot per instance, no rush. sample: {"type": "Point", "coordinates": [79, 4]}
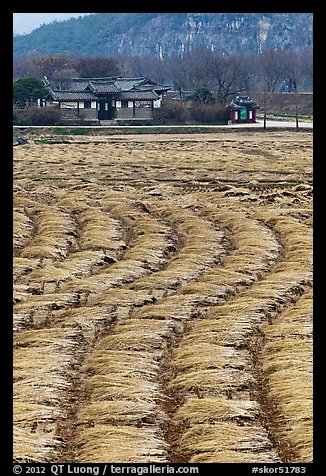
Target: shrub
{"type": "Point", "coordinates": [38, 116]}
{"type": "Point", "coordinates": [172, 112]}
{"type": "Point", "coordinates": [178, 112]}
{"type": "Point", "coordinates": [209, 113]}
{"type": "Point", "coordinates": [16, 117]}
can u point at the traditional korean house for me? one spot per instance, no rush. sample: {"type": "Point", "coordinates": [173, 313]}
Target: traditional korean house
{"type": "Point", "coordinates": [242, 110]}
{"type": "Point", "coordinates": [105, 99]}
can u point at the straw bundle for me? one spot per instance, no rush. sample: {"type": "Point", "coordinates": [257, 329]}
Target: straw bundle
{"type": "Point", "coordinates": [227, 328]}
{"type": "Point", "coordinates": [209, 410]}
{"type": "Point", "coordinates": [124, 384]}
{"type": "Point", "coordinates": [47, 302]}
{"type": "Point", "coordinates": [33, 447]}
{"type": "Point", "coordinates": [123, 297]}
{"type": "Point", "coordinates": [193, 355]}
{"type": "Point", "coordinates": [99, 231]}
{"type": "Point", "coordinates": [87, 318]}
{"type": "Point", "coordinates": [120, 412]}
{"type": "Point", "coordinates": [235, 456]}
{"type": "Point", "coordinates": [138, 335]}
{"type": "Point", "coordinates": [123, 362]}
{"type": "Point", "coordinates": [53, 234]}
{"type": "Point", "coordinates": [210, 381]}
{"type": "Point", "coordinates": [80, 263]}
{"type": "Point", "coordinates": [179, 307]}
{"type": "Point", "coordinates": [118, 274]}
{"type": "Point", "coordinates": [224, 436]}
{"type": "Point", "coordinates": [125, 444]}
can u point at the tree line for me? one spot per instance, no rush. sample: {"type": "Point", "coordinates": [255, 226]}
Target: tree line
{"type": "Point", "coordinates": [210, 75]}
{"type": "Point", "coordinates": [200, 69]}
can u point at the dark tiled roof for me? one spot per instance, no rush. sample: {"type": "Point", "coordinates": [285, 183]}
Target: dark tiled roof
{"type": "Point", "coordinates": [148, 84]}
{"type": "Point", "coordinates": [181, 94]}
{"type": "Point", "coordinates": [66, 84]}
{"type": "Point", "coordinates": [125, 84]}
{"type": "Point", "coordinates": [72, 95]}
{"type": "Point", "coordinates": [141, 95]}
{"type": "Point", "coordinates": [103, 87]}
{"type": "Point", "coordinates": [240, 101]}
{"type": "Point", "coordinates": [72, 89]}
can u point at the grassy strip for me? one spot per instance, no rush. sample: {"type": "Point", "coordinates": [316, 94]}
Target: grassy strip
{"type": "Point", "coordinates": [47, 141]}
{"type": "Point", "coordinates": [126, 130]}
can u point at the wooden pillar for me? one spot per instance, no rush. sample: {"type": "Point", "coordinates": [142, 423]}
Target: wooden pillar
{"type": "Point", "coordinates": [254, 115]}
{"type": "Point", "coordinates": [233, 116]}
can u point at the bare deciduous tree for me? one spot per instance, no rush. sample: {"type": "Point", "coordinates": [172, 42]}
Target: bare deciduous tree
{"type": "Point", "coordinates": [297, 67]}
{"type": "Point", "coordinates": [96, 67]}
{"type": "Point", "coordinates": [270, 67]}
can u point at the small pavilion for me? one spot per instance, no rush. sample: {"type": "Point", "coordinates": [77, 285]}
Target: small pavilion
{"type": "Point", "coordinates": [242, 110]}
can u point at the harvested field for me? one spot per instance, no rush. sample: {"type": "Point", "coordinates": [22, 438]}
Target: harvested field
{"type": "Point", "coordinates": [163, 298]}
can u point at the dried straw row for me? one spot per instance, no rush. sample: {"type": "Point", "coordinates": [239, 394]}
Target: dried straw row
{"type": "Point", "coordinates": [287, 361]}
{"type": "Point", "coordinates": [42, 364]}
{"type": "Point", "coordinates": [123, 414]}
{"type": "Point", "coordinates": [53, 237]}
{"type": "Point", "coordinates": [202, 246]}
{"type": "Point", "coordinates": [99, 231]}
{"type": "Point", "coordinates": [227, 442]}
{"type": "Point", "coordinates": [214, 363]}
{"type": "Point", "coordinates": [255, 250]}
{"type": "Point", "coordinates": [146, 253]}
{"type": "Point", "coordinates": [125, 443]}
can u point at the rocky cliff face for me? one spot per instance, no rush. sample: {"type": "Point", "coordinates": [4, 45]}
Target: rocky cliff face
{"type": "Point", "coordinates": [167, 34]}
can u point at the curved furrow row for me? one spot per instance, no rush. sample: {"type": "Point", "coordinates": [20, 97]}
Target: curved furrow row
{"type": "Point", "coordinates": [216, 367]}
{"type": "Point", "coordinates": [119, 394]}
{"type": "Point", "coordinates": [151, 243]}
{"type": "Point", "coordinates": [129, 390]}
{"type": "Point", "coordinates": [99, 242]}
{"type": "Point", "coordinates": [255, 250]}
{"type": "Point", "coordinates": [43, 359]}
{"type": "Point", "coordinates": [86, 321]}
{"type": "Point", "coordinates": [202, 247]}
{"type": "Point", "coordinates": [52, 238]}
{"type": "Point", "coordinates": [286, 363]}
